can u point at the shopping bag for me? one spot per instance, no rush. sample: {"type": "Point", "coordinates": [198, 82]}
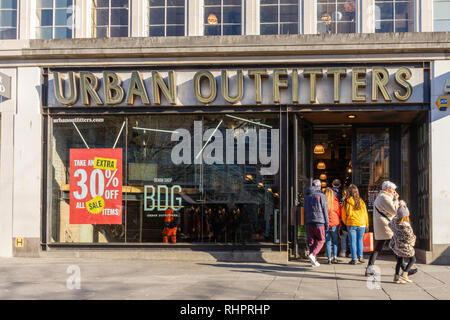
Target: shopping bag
{"type": "Point", "coordinates": [368, 242]}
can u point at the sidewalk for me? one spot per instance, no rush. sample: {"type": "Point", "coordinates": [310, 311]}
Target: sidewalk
{"type": "Point", "coordinates": [45, 278]}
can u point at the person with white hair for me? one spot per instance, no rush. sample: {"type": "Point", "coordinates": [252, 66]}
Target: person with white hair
{"type": "Point", "coordinates": [384, 210]}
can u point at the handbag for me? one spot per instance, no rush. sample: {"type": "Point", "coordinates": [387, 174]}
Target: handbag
{"type": "Point", "coordinates": [368, 242]}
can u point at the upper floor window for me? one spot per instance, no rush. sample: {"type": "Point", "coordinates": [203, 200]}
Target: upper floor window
{"type": "Point", "coordinates": [55, 19]}
{"type": "Point", "coordinates": [394, 15]}
{"type": "Point", "coordinates": [441, 15]}
{"type": "Point", "coordinates": [167, 18]}
{"type": "Point", "coordinates": [223, 17]}
{"type": "Point", "coordinates": [8, 19]}
{"type": "Point", "coordinates": [336, 16]}
{"type": "Point", "coordinates": [110, 18]}
{"type": "Point", "coordinates": [279, 16]}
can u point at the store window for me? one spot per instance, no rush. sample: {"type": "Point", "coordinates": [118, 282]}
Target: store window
{"type": "Point", "coordinates": [394, 16]}
{"type": "Point", "coordinates": [223, 17]}
{"type": "Point", "coordinates": [8, 19]}
{"type": "Point", "coordinates": [441, 15]}
{"type": "Point", "coordinates": [279, 16]}
{"type": "Point", "coordinates": [55, 19]}
{"type": "Point", "coordinates": [203, 167]}
{"type": "Point", "coordinates": [336, 16]}
{"type": "Point", "coordinates": [167, 18]}
{"type": "Point", "coordinates": [110, 18]}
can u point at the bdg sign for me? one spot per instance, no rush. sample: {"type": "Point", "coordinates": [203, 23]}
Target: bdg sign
{"type": "Point", "coordinates": [290, 86]}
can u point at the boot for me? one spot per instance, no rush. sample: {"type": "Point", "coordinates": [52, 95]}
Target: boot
{"type": "Point", "coordinates": [404, 277]}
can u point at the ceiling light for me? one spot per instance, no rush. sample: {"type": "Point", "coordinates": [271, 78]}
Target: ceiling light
{"type": "Point", "coordinates": [321, 165]}
{"type": "Point", "coordinates": [323, 176]}
{"type": "Point", "coordinates": [351, 116]}
{"type": "Point", "coordinates": [319, 149]}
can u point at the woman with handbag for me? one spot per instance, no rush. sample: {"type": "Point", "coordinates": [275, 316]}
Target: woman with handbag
{"type": "Point", "coordinates": [355, 217]}
{"type": "Point", "coordinates": [334, 217]}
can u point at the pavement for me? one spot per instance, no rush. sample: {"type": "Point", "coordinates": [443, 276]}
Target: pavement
{"type": "Point", "coordinates": [106, 279]}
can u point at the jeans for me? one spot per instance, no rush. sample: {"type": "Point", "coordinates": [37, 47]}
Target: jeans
{"type": "Point", "coordinates": [344, 242]}
{"type": "Point", "coordinates": [355, 235]}
{"type": "Point", "coordinates": [331, 238]}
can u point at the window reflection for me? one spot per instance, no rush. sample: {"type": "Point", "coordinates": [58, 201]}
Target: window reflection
{"type": "Point", "coordinates": [336, 16]}
{"type": "Point", "coordinates": [223, 17]}
{"type": "Point", "coordinates": [205, 168]}
{"type": "Point", "coordinates": [394, 16]}
{"type": "Point", "coordinates": [55, 19]}
{"type": "Point", "coordinates": [8, 19]}
{"type": "Point", "coordinates": [279, 16]}
{"type": "Point", "coordinates": [110, 18]}
{"type": "Point", "coordinates": [166, 18]}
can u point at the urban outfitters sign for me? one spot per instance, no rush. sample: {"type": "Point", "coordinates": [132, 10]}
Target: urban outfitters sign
{"type": "Point", "coordinates": [292, 86]}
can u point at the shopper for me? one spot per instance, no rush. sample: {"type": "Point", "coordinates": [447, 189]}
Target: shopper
{"type": "Point", "coordinates": [402, 243]}
{"type": "Point", "coordinates": [316, 219]}
{"type": "Point", "coordinates": [384, 210]}
{"type": "Point", "coordinates": [337, 190]}
{"type": "Point", "coordinates": [355, 217]}
{"type": "Point", "coordinates": [343, 229]}
{"type": "Point", "coordinates": [334, 216]}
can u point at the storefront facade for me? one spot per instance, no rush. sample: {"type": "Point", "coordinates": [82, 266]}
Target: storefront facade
{"type": "Point", "coordinates": [104, 144]}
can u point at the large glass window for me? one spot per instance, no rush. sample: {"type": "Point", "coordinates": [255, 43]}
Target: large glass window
{"type": "Point", "coordinates": [279, 16]}
{"type": "Point", "coordinates": [55, 19]}
{"type": "Point", "coordinates": [394, 16]}
{"type": "Point", "coordinates": [223, 17]}
{"type": "Point", "coordinates": [336, 16]}
{"type": "Point", "coordinates": [110, 18]}
{"type": "Point", "coordinates": [8, 19]}
{"type": "Point", "coordinates": [219, 173]}
{"type": "Point", "coordinates": [167, 18]}
{"type": "Point", "coordinates": [441, 15]}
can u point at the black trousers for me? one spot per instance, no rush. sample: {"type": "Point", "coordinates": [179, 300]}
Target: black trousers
{"type": "Point", "coordinates": [400, 261]}
{"type": "Point", "coordinates": [378, 248]}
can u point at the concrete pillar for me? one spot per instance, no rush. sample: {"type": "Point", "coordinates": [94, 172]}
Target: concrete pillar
{"type": "Point", "coordinates": [139, 18]}
{"type": "Point", "coordinates": [252, 14]}
{"type": "Point", "coordinates": [424, 15]}
{"type": "Point", "coordinates": [8, 110]}
{"type": "Point", "coordinates": [27, 161]}
{"type": "Point", "coordinates": [27, 19]}
{"type": "Point", "coordinates": [309, 17]}
{"type": "Point", "coordinates": [195, 18]}
{"type": "Point", "coordinates": [366, 21]}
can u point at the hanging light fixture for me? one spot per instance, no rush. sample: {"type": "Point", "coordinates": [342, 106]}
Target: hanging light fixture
{"type": "Point", "coordinates": [319, 149]}
{"type": "Point", "coordinates": [324, 184]}
{"type": "Point", "coordinates": [323, 176]}
{"type": "Point", "coordinates": [321, 165]}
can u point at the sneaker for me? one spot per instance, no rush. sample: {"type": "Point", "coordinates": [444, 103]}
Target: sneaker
{"type": "Point", "coordinates": [400, 280]}
{"type": "Point", "coordinates": [329, 261]}
{"type": "Point", "coordinates": [335, 260]}
{"type": "Point", "coordinates": [404, 277]}
{"type": "Point", "coordinates": [361, 260]}
{"type": "Point", "coordinates": [369, 271]}
{"type": "Point", "coordinates": [412, 271]}
{"type": "Point", "coordinates": [348, 255]}
{"type": "Point", "coordinates": [342, 254]}
{"type": "Point", "coordinates": [312, 258]}
{"type": "Point", "coordinates": [316, 264]}
{"type": "Point", "coordinates": [352, 262]}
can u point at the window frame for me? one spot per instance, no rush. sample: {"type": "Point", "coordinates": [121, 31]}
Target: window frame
{"type": "Point", "coordinates": [279, 23]}
{"type": "Point", "coordinates": [394, 20]}
{"type": "Point", "coordinates": [53, 26]}
{"type": "Point", "coordinates": [108, 27]}
{"type": "Point", "coordinates": [242, 22]}
{"type": "Point", "coordinates": [16, 28]}
{"type": "Point", "coordinates": [335, 22]}
{"type": "Point", "coordinates": [165, 25]}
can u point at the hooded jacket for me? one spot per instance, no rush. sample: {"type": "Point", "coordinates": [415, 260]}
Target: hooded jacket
{"type": "Point", "coordinates": [316, 210]}
{"type": "Point", "coordinates": [353, 217]}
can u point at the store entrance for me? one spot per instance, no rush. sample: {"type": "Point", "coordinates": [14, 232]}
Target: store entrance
{"type": "Point", "coordinates": [332, 154]}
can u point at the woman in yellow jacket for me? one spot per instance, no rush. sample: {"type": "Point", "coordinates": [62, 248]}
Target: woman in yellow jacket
{"type": "Point", "coordinates": [355, 217]}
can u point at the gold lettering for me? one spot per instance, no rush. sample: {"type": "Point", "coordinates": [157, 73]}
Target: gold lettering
{"type": "Point", "coordinates": [337, 74]}
{"type": "Point", "coordinates": [380, 79]}
{"type": "Point", "coordinates": [59, 89]}
{"type": "Point", "coordinates": [137, 87]}
{"type": "Point", "coordinates": [240, 87]}
{"type": "Point", "coordinates": [401, 76]}
{"type": "Point", "coordinates": [279, 83]}
{"type": "Point", "coordinates": [88, 86]}
{"type": "Point", "coordinates": [295, 86]}
{"type": "Point", "coordinates": [313, 74]}
{"type": "Point", "coordinates": [212, 86]}
{"type": "Point", "coordinates": [258, 75]}
{"type": "Point", "coordinates": [158, 85]}
{"type": "Point", "coordinates": [357, 83]}
{"type": "Point", "coordinates": [112, 83]}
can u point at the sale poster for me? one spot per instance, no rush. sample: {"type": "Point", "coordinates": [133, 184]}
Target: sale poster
{"type": "Point", "coordinates": [95, 186]}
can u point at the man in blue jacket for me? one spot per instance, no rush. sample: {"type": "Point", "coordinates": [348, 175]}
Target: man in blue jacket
{"type": "Point", "coordinates": [316, 219]}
